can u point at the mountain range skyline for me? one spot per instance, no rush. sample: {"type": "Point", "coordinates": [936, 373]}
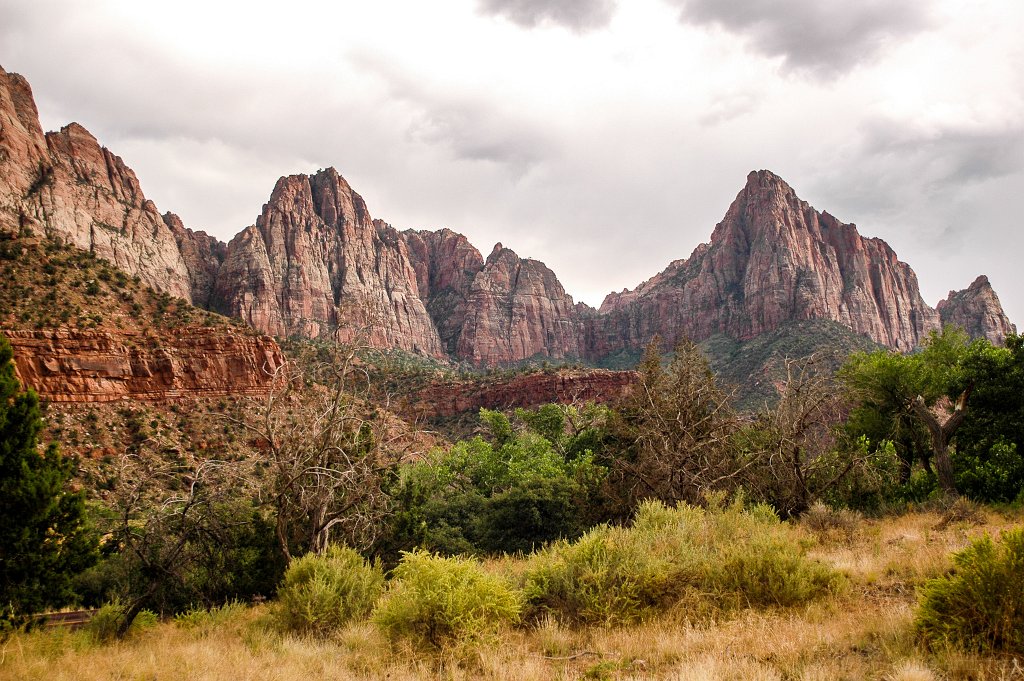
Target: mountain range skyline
{"type": "Point", "coordinates": [597, 136]}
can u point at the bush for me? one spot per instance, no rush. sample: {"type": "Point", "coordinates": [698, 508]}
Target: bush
{"type": "Point", "coordinates": [321, 592]}
{"type": "Point", "coordinates": [441, 602]}
{"type": "Point", "coordinates": [104, 624]}
{"type": "Point", "coordinates": [980, 606]}
{"type": "Point", "coordinates": [735, 555]}
{"type": "Point", "coordinates": [605, 577]}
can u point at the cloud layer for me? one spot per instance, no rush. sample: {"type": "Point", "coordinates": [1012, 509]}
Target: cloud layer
{"type": "Point", "coordinates": [824, 37]}
{"type": "Point", "coordinates": [578, 15]}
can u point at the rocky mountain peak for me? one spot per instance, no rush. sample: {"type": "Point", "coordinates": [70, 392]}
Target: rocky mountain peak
{"type": "Point", "coordinates": [977, 310]}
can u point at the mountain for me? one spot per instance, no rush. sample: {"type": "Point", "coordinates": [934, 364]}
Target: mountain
{"type": "Point", "coordinates": [773, 259]}
{"type": "Point", "coordinates": [65, 184]}
{"type": "Point", "coordinates": [977, 310]}
{"type": "Point", "coordinates": [315, 263]}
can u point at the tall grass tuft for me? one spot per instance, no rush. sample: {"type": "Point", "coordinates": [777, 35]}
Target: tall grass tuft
{"type": "Point", "coordinates": [731, 554]}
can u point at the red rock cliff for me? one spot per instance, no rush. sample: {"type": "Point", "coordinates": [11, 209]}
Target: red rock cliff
{"type": "Point", "coordinates": [977, 310]}
{"type": "Point", "coordinates": [315, 261]}
{"type": "Point", "coordinates": [104, 366]}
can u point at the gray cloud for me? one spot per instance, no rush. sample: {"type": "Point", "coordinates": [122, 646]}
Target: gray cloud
{"type": "Point", "coordinates": [472, 126]}
{"type": "Point", "coordinates": [821, 37]}
{"type": "Point", "coordinates": [952, 156]}
{"type": "Point", "coordinates": [578, 15]}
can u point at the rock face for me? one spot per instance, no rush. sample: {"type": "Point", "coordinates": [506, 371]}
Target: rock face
{"type": "Point", "coordinates": [771, 260]}
{"type": "Point", "coordinates": [516, 310]}
{"type": "Point", "coordinates": [315, 261]}
{"type": "Point", "coordinates": [526, 390]}
{"type": "Point", "coordinates": [65, 184]}
{"type": "Point", "coordinates": [446, 264]}
{"type": "Point", "coordinates": [202, 254]}
{"type": "Point", "coordinates": [98, 366]}
{"type": "Point", "coordinates": [977, 310]}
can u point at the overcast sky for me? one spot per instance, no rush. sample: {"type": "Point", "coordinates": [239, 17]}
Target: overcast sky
{"type": "Point", "coordinates": [603, 137]}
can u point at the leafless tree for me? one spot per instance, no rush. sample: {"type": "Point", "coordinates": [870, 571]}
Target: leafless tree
{"type": "Point", "coordinates": [678, 426]}
{"type": "Point", "coordinates": [792, 443]}
{"type": "Point", "coordinates": [169, 515]}
{"type": "Point", "coordinates": [325, 450]}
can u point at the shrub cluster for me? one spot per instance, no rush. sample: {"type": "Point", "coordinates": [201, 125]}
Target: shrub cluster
{"type": "Point", "coordinates": [980, 606]}
{"type": "Point", "coordinates": [610, 576]}
{"type": "Point", "coordinates": [437, 602]}
{"type": "Point", "coordinates": [321, 592]}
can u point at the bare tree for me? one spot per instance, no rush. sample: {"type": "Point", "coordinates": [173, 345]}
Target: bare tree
{"type": "Point", "coordinates": [679, 428]}
{"type": "Point", "coordinates": [790, 443]}
{"type": "Point", "coordinates": [325, 450]}
{"type": "Point", "coordinates": [169, 517]}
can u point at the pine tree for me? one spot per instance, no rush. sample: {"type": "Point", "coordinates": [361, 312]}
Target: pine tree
{"type": "Point", "coordinates": [44, 541]}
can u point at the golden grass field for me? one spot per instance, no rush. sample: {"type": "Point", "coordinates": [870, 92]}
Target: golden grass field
{"type": "Point", "coordinates": [866, 632]}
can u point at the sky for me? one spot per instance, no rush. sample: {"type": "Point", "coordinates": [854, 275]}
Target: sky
{"type": "Point", "coordinates": [603, 137]}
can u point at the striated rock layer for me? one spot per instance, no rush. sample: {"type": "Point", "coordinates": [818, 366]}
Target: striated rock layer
{"type": "Point", "coordinates": [526, 390]}
{"type": "Point", "coordinates": [977, 310]}
{"type": "Point", "coordinates": [65, 184]}
{"type": "Point", "coordinates": [103, 366]}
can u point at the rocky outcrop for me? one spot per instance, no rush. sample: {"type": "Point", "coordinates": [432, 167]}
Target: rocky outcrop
{"type": "Point", "coordinates": [65, 184]}
{"type": "Point", "coordinates": [773, 259]}
{"type": "Point", "coordinates": [315, 262]}
{"type": "Point", "coordinates": [203, 255]}
{"type": "Point", "coordinates": [451, 398]}
{"type": "Point", "coordinates": [104, 366]}
{"type": "Point", "coordinates": [977, 310]}
{"type": "Point", "coordinates": [445, 264]}
{"type": "Point", "coordinates": [516, 310]}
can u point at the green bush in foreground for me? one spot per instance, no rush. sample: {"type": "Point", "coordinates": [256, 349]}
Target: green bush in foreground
{"type": "Point", "coordinates": [980, 606]}
{"type": "Point", "coordinates": [737, 556]}
{"type": "Point", "coordinates": [321, 592]}
{"type": "Point", "coordinates": [440, 602]}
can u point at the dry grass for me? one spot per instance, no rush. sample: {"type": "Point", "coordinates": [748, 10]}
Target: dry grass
{"type": "Point", "coordinates": [865, 633]}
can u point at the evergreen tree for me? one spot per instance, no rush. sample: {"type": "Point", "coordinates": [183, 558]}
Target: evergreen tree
{"type": "Point", "coordinates": [43, 538]}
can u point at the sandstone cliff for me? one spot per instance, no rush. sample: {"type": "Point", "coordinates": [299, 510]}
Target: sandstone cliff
{"type": "Point", "coordinates": [445, 264]}
{"type": "Point", "coordinates": [315, 261]}
{"type": "Point", "coordinates": [516, 310]}
{"type": "Point", "coordinates": [316, 264]}
{"type": "Point", "coordinates": [451, 398]}
{"type": "Point", "coordinates": [65, 184]}
{"type": "Point", "coordinates": [772, 259]}
{"type": "Point", "coordinates": [977, 310]}
{"type": "Point", "coordinates": [74, 365]}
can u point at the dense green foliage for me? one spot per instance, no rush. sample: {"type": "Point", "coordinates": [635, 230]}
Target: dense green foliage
{"type": "Point", "coordinates": [980, 606]}
{"type": "Point", "coordinates": [439, 602]}
{"type": "Point", "coordinates": [524, 484]}
{"type": "Point", "coordinates": [989, 458]}
{"type": "Point", "coordinates": [987, 380]}
{"type": "Point", "coordinates": [44, 540]}
{"type": "Point", "coordinates": [617, 575]}
{"type": "Point", "coordinates": [321, 592]}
